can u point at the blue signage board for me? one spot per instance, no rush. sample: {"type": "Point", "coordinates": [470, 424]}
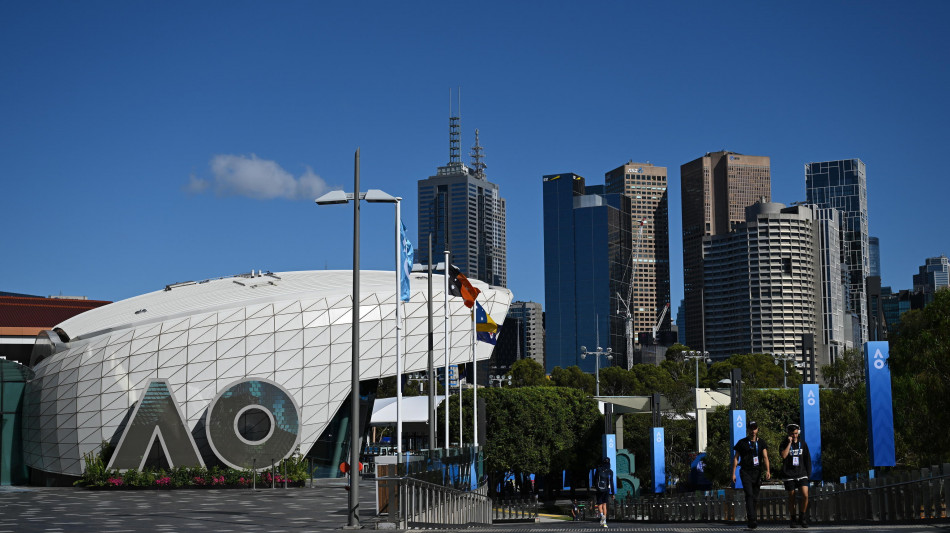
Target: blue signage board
{"type": "Point", "coordinates": [811, 426]}
{"type": "Point", "coordinates": [610, 452]}
{"type": "Point", "coordinates": [737, 431]}
{"type": "Point", "coordinates": [880, 406]}
{"type": "Point", "coordinates": [659, 461]}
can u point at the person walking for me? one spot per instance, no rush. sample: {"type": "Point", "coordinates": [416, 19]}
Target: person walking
{"type": "Point", "coordinates": [796, 464]}
{"type": "Point", "coordinates": [751, 453]}
{"type": "Point", "coordinates": [604, 483]}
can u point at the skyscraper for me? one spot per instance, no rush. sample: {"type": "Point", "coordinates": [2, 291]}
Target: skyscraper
{"type": "Point", "coordinates": [874, 256]}
{"type": "Point", "coordinates": [842, 185]}
{"type": "Point", "coordinates": [836, 321]}
{"type": "Point", "coordinates": [649, 272]}
{"type": "Point", "coordinates": [762, 292]}
{"type": "Point", "coordinates": [465, 213]}
{"type": "Point", "coordinates": [521, 336]}
{"type": "Point", "coordinates": [716, 189]}
{"type": "Point", "coordinates": [586, 247]}
{"type": "Point", "coordinates": [932, 276]}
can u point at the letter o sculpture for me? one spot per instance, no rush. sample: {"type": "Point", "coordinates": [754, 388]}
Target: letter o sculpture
{"type": "Point", "coordinates": [227, 407]}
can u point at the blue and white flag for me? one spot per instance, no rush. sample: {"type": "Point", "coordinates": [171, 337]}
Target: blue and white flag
{"type": "Point", "coordinates": [407, 256]}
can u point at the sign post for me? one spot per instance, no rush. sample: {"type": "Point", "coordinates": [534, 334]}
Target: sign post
{"type": "Point", "coordinates": [811, 427]}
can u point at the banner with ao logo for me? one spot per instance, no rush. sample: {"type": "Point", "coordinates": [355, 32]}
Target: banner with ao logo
{"type": "Point", "coordinates": [737, 431]}
{"type": "Point", "coordinates": [659, 461]}
{"type": "Point", "coordinates": [811, 426]}
{"type": "Point", "coordinates": [880, 406]}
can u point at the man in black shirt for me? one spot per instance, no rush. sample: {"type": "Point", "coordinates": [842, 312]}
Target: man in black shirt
{"type": "Point", "coordinates": [796, 464]}
{"type": "Point", "coordinates": [751, 453]}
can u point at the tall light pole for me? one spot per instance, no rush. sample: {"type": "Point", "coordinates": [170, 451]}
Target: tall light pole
{"type": "Point", "coordinates": [597, 353]}
{"type": "Point", "coordinates": [697, 356]}
{"type": "Point", "coordinates": [340, 197]}
{"type": "Point", "coordinates": [784, 358]}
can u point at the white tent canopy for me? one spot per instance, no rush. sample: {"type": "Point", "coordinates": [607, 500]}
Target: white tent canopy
{"type": "Point", "coordinates": [414, 410]}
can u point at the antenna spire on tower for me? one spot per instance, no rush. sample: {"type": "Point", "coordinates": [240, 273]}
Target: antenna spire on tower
{"type": "Point", "coordinates": [455, 134]}
{"type": "Point", "coordinates": [478, 157]}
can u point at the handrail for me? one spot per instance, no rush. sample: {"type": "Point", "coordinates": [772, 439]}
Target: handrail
{"type": "Point", "coordinates": [413, 503]}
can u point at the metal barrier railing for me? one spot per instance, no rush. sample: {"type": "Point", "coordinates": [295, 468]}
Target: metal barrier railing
{"type": "Point", "coordinates": [520, 509]}
{"type": "Point", "coordinates": [904, 496]}
{"type": "Point", "coordinates": [414, 503]}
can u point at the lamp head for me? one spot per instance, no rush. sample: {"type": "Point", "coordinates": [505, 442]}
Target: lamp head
{"type": "Point", "coordinates": [378, 196]}
{"type": "Point", "coordinates": [334, 197]}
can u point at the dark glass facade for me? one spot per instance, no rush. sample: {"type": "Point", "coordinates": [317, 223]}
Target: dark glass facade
{"type": "Point", "coordinates": [586, 248]}
{"type": "Point", "coordinates": [13, 378]}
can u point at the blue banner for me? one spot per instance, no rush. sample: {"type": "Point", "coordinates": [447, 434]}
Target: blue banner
{"type": "Point", "coordinates": [610, 452]}
{"type": "Point", "coordinates": [880, 406]}
{"type": "Point", "coordinates": [737, 431]}
{"type": "Point", "coordinates": [811, 427]}
{"type": "Point", "coordinates": [406, 256]}
{"type": "Point", "coordinates": [659, 461]}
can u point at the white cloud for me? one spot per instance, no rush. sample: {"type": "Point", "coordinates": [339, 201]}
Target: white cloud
{"type": "Point", "coordinates": [261, 179]}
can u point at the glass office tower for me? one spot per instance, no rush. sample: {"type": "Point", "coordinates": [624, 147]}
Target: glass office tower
{"type": "Point", "coordinates": [842, 185]}
{"type": "Point", "coordinates": [586, 246]}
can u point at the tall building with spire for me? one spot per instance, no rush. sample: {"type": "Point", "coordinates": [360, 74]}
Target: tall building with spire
{"type": "Point", "coordinates": [465, 214]}
{"type": "Point", "coordinates": [716, 189]}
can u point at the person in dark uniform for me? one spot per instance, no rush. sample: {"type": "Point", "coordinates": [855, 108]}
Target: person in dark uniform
{"type": "Point", "coordinates": [751, 453]}
{"type": "Point", "coordinates": [796, 464]}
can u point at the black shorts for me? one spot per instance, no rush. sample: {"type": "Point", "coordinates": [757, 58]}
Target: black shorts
{"type": "Point", "coordinates": [796, 483]}
{"type": "Point", "coordinates": [602, 497]}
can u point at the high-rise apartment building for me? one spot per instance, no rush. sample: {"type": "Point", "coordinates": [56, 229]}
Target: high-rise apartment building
{"type": "Point", "coordinates": [842, 185]}
{"type": "Point", "coordinates": [465, 213]}
{"type": "Point", "coordinates": [649, 270]}
{"type": "Point", "coordinates": [874, 256]}
{"type": "Point", "coordinates": [836, 320]}
{"type": "Point", "coordinates": [586, 247]}
{"type": "Point", "coordinates": [932, 276]}
{"type": "Point", "coordinates": [716, 189]}
{"type": "Point", "coordinates": [522, 335]}
{"type": "Point", "coordinates": [762, 286]}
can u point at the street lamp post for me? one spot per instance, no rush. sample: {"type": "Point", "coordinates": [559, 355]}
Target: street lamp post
{"type": "Point", "coordinates": [340, 197]}
{"type": "Point", "coordinates": [597, 353]}
{"type": "Point", "coordinates": [697, 356]}
{"type": "Point", "coordinates": [784, 358]}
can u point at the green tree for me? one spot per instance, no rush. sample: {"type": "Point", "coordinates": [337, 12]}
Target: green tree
{"type": "Point", "coordinates": [920, 370]}
{"type": "Point", "coordinates": [758, 371]}
{"type": "Point", "coordinates": [573, 377]}
{"type": "Point", "coordinates": [677, 352]}
{"type": "Point", "coordinates": [528, 373]}
{"type": "Point", "coordinates": [540, 430]}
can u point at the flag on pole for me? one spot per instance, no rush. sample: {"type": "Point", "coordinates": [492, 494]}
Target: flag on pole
{"type": "Point", "coordinates": [408, 254]}
{"type": "Point", "coordinates": [461, 287]}
{"type": "Point", "coordinates": [486, 329]}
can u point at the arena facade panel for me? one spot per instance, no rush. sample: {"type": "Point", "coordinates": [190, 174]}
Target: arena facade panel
{"type": "Point", "coordinates": [291, 329]}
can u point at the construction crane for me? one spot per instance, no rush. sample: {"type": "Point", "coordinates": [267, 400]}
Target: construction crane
{"type": "Point", "coordinates": [656, 329]}
{"type": "Point", "coordinates": [627, 305]}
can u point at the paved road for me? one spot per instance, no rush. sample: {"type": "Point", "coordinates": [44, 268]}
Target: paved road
{"type": "Point", "coordinates": [322, 508]}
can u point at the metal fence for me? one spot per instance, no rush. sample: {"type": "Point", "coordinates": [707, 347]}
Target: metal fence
{"type": "Point", "coordinates": [515, 510]}
{"type": "Point", "coordinates": [904, 496]}
{"type": "Point", "coordinates": [413, 503]}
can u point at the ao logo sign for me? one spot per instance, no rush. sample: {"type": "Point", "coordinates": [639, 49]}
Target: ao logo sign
{"type": "Point", "coordinates": [658, 437]}
{"type": "Point", "coordinates": [879, 360]}
{"type": "Point", "coordinates": [249, 424]}
{"type": "Point", "coordinates": [739, 422]}
{"type": "Point", "coordinates": [811, 398]}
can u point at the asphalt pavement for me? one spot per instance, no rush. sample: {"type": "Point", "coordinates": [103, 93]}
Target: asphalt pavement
{"type": "Point", "coordinates": [321, 508]}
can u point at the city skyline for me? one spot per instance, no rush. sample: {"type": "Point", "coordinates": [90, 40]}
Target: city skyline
{"type": "Point", "coordinates": [144, 147]}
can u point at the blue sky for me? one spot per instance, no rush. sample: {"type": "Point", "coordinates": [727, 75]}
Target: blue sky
{"type": "Point", "coordinates": [146, 143]}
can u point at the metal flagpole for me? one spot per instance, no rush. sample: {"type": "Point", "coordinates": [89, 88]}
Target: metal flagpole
{"type": "Point", "coordinates": [430, 374]}
{"type": "Point", "coordinates": [474, 379]}
{"type": "Point", "coordinates": [398, 336]}
{"type": "Point", "coordinates": [445, 332]}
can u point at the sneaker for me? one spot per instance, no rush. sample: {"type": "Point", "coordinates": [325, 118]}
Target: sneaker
{"type": "Point", "coordinates": [804, 522]}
